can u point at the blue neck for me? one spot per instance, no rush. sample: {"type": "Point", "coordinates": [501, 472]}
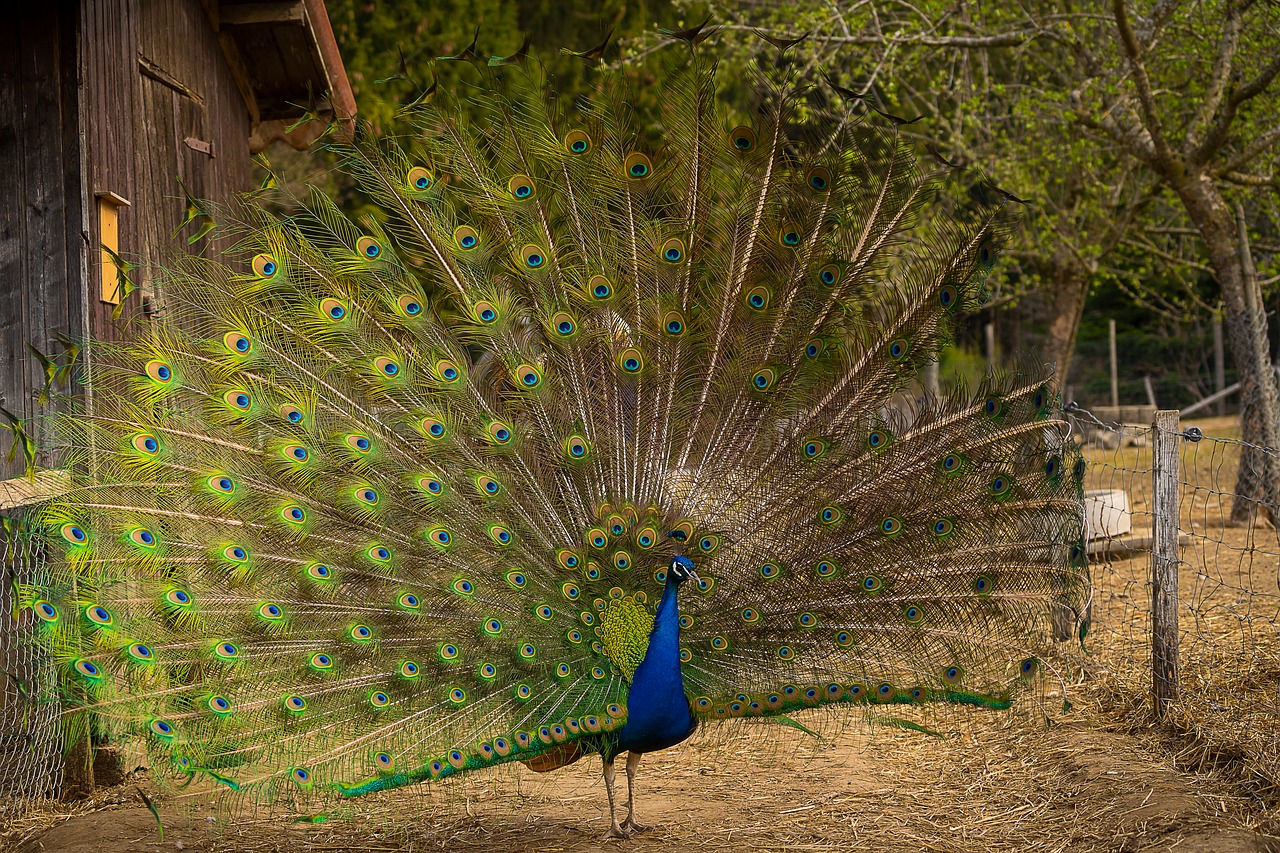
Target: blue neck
{"type": "Point", "coordinates": [657, 709]}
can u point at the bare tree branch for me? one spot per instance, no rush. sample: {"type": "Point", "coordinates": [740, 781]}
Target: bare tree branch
{"type": "Point", "coordinates": [1146, 99]}
{"type": "Point", "coordinates": [1259, 144]}
{"type": "Point", "coordinates": [1218, 136]}
{"type": "Point", "coordinates": [1216, 85]}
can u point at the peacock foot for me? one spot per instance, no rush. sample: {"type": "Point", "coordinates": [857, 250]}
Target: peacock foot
{"type": "Point", "coordinates": [617, 831]}
{"type": "Point", "coordinates": [630, 826]}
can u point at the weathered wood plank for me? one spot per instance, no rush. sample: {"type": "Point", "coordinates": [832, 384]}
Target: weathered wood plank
{"type": "Point", "coordinates": [1165, 480]}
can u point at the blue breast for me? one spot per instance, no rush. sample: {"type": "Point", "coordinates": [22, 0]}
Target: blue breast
{"type": "Point", "coordinates": [657, 710]}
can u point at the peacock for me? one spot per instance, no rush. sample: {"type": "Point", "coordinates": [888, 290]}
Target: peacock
{"type": "Point", "coordinates": [595, 432]}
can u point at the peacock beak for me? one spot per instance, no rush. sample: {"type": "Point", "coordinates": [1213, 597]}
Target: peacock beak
{"type": "Point", "coordinates": [693, 576]}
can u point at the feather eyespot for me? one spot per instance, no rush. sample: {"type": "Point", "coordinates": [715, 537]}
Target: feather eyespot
{"type": "Point", "coordinates": [270, 612]}
{"type": "Point", "coordinates": [236, 343]}
{"type": "Point", "coordinates": [742, 138]}
{"type": "Point", "coordinates": [764, 379]}
{"type": "Point", "coordinates": [533, 257]}
{"type": "Point", "coordinates": [521, 187]}
{"type": "Point", "coordinates": [830, 275]}
{"type": "Point", "coordinates": [769, 571]}
{"type": "Point", "coordinates": [576, 447]}
{"type": "Point", "coordinates": [368, 248]}
{"type": "Point", "coordinates": [814, 348]}
{"type": "Point", "coordinates": [160, 372]}
{"type": "Point", "coordinates": [446, 371]}
{"type": "Point", "coordinates": [630, 360]}
{"type": "Point", "coordinates": [891, 526]}
{"type": "Point", "coordinates": [332, 310]}
{"type": "Point", "coordinates": [815, 448]}
{"type": "Point", "coordinates": [238, 400]}
{"type": "Point", "coordinates": [499, 433]}
{"type": "Point", "coordinates": [418, 179]}
{"type": "Point", "coordinates": [143, 538]}
{"type": "Point", "coordinates": [600, 287]}
{"type": "Point", "coordinates": [146, 443]}
{"type": "Point", "coordinates": [672, 251]}
{"type": "Point", "coordinates": [433, 427]}
{"type": "Point", "coordinates": [45, 611]}
{"type": "Point", "coordinates": [1001, 485]}
{"type": "Point", "coordinates": [378, 699]}
{"type": "Point", "coordinates": [319, 572]}
{"type": "Point", "coordinates": [577, 142]}
{"type": "Point", "coordinates": [952, 463]}
{"type": "Point", "coordinates": [485, 312]}
{"type": "Point", "coordinates": [825, 569]}
{"type": "Point", "coordinates": [292, 414]}
{"type": "Point", "coordinates": [563, 324]}
{"type": "Point", "coordinates": [757, 298]}
{"type": "Point", "coordinates": [637, 166]}
{"type": "Point", "coordinates": [673, 323]}
{"type": "Point", "coordinates": [410, 306]}
{"type": "Point", "coordinates": [378, 554]}
{"type": "Point", "coordinates": [528, 376]}
{"type": "Point", "coordinates": [942, 528]}
{"type": "Point", "coordinates": [265, 266]}
{"type": "Point", "coordinates": [818, 178]}
{"type": "Point", "coordinates": [982, 585]}
{"type": "Point", "coordinates": [466, 238]}
{"type": "Point", "coordinates": [789, 236]}
{"type": "Point", "coordinates": [878, 439]}
{"type": "Point", "coordinates": [948, 296]}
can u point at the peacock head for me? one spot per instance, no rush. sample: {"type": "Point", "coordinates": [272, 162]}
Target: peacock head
{"type": "Point", "coordinates": [682, 569]}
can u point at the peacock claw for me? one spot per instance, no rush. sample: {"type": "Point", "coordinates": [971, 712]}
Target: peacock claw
{"type": "Point", "coordinates": [616, 831]}
{"type": "Point", "coordinates": [630, 826]}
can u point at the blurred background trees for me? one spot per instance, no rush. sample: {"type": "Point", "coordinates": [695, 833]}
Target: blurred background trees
{"type": "Point", "coordinates": [1138, 138]}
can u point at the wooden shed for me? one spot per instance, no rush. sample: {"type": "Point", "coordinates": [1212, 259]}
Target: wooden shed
{"type": "Point", "coordinates": [105, 105]}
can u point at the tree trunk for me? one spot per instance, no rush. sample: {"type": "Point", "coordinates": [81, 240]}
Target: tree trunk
{"type": "Point", "coordinates": [1258, 478]}
{"type": "Point", "coordinates": [1070, 284]}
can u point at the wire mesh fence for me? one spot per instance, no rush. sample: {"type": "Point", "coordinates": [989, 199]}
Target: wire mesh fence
{"type": "Point", "coordinates": [30, 735]}
{"type": "Point", "coordinates": [1226, 709]}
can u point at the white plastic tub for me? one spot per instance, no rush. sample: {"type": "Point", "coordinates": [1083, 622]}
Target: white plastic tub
{"type": "Point", "coordinates": [1107, 513]}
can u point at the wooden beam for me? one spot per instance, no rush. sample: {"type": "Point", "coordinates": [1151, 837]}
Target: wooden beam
{"type": "Point", "coordinates": [257, 14]}
{"type": "Point", "coordinates": [20, 492]}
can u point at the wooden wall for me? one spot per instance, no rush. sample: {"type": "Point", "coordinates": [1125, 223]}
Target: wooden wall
{"type": "Point", "coordinates": [40, 200]}
{"type": "Point", "coordinates": [98, 96]}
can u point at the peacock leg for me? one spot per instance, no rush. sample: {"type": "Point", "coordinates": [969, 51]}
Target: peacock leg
{"type": "Point", "coordinates": [629, 825]}
{"type": "Point", "coordinates": [615, 831]}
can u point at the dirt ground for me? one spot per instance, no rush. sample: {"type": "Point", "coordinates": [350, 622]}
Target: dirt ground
{"type": "Point", "coordinates": [994, 783]}
{"type": "Point", "coordinates": [1100, 777]}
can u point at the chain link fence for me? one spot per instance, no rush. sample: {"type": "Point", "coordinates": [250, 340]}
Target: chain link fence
{"type": "Point", "coordinates": [31, 763]}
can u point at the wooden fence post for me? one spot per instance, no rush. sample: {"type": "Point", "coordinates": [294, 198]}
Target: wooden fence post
{"type": "Point", "coordinates": [1166, 441]}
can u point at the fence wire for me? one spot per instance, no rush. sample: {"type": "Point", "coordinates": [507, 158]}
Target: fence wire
{"type": "Point", "coordinates": [30, 735]}
{"type": "Point", "coordinates": [1228, 708]}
